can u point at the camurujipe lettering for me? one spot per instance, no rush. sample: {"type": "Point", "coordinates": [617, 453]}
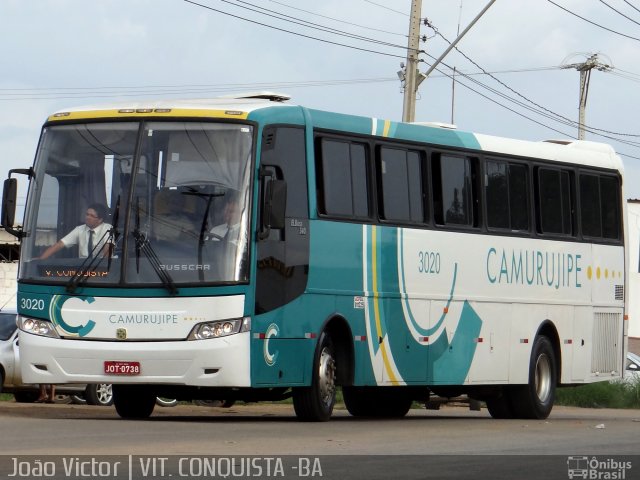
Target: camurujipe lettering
{"type": "Point", "coordinates": [146, 318]}
{"type": "Point", "coordinates": [534, 267]}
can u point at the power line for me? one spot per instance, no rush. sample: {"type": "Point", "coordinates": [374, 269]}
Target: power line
{"type": "Point", "coordinates": [108, 92]}
{"type": "Point", "coordinates": [552, 116]}
{"type": "Point", "coordinates": [292, 32]}
{"type": "Point", "coordinates": [592, 22]}
{"type": "Point", "coordinates": [527, 117]}
{"type": "Point", "coordinates": [298, 21]}
{"type": "Point", "coordinates": [386, 8]}
{"type": "Point", "coordinates": [631, 5]}
{"type": "Point", "coordinates": [52, 93]}
{"type": "Point", "coordinates": [566, 120]}
{"type": "Point", "coordinates": [337, 20]}
{"type": "Point", "coordinates": [619, 12]}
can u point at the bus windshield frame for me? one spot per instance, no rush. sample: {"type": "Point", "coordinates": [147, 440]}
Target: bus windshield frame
{"type": "Point", "coordinates": [172, 200]}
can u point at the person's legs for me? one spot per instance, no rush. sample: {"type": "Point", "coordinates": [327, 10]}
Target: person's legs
{"type": "Point", "coordinates": [52, 393]}
{"type": "Point", "coordinates": [43, 393]}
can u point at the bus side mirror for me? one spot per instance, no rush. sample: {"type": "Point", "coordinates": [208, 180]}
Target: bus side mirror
{"type": "Point", "coordinates": [9, 196]}
{"type": "Point", "coordinates": [273, 209]}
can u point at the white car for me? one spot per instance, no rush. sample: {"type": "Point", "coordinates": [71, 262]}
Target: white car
{"type": "Point", "coordinates": [11, 379]}
{"type": "Point", "coordinates": [632, 368]}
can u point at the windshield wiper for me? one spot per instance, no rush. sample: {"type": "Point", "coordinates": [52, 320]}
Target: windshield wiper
{"type": "Point", "coordinates": [143, 245]}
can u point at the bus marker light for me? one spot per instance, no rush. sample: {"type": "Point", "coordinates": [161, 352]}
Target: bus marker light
{"type": "Point", "coordinates": [423, 339]}
{"type": "Point", "coordinates": [568, 341]}
{"type": "Point", "coordinates": [445, 309]}
{"type": "Point", "coordinates": [310, 335]}
{"type": "Point", "coordinates": [360, 338]}
{"type": "Point", "coordinates": [524, 340]}
{"type": "Point", "coordinates": [479, 340]}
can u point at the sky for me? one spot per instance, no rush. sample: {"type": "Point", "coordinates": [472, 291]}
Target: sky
{"type": "Point", "coordinates": [337, 55]}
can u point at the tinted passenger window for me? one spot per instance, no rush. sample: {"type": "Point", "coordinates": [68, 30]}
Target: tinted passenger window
{"type": "Point", "coordinates": [599, 206]}
{"type": "Point", "coordinates": [610, 204]}
{"type": "Point", "coordinates": [590, 205]}
{"type": "Point", "coordinates": [400, 176]}
{"type": "Point", "coordinates": [453, 190]}
{"type": "Point", "coordinates": [507, 194]}
{"type": "Point", "coordinates": [344, 179]}
{"type": "Point", "coordinates": [555, 201]}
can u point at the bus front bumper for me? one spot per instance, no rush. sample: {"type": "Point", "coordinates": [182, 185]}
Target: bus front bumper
{"type": "Point", "coordinates": [219, 362]}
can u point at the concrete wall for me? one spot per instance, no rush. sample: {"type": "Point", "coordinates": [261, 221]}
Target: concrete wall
{"type": "Point", "coordinates": [8, 284]}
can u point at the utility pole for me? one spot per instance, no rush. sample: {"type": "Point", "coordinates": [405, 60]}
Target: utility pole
{"type": "Point", "coordinates": [585, 76]}
{"type": "Point", "coordinates": [411, 70]}
{"type": "Point", "coordinates": [411, 77]}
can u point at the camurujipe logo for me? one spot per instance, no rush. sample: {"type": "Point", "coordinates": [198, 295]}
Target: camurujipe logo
{"type": "Point", "coordinates": [597, 469]}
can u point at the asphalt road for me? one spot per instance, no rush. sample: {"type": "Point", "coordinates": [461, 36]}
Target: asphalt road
{"type": "Point", "coordinates": [452, 442]}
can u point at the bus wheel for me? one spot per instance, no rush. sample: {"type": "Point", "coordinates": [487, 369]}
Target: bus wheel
{"type": "Point", "coordinates": [499, 406]}
{"type": "Point", "coordinates": [535, 400]}
{"type": "Point", "coordinates": [315, 403]}
{"type": "Point", "coordinates": [356, 401]}
{"type": "Point", "coordinates": [133, 401]}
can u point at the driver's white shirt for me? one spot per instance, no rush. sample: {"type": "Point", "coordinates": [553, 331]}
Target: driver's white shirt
{"type": "Point", "coordinates": [80, 236]}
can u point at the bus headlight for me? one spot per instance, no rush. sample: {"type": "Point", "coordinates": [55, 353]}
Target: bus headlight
{"type": "Point", "coordinates": [219, 328]}
{"type": "Point", "coordinates": [44, 328]}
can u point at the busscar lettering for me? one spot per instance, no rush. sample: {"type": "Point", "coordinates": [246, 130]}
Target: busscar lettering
{"type": "Point", "coordinates": [533, 267]}
{"type": "Point", "coordinates": [191, 267]}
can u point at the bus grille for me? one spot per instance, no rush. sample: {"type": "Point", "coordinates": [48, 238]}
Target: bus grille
{"type": "Point", "coordinates": [606, 343]}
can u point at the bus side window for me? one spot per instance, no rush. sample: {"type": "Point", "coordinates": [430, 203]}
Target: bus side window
{"type": "Point", "coordinates": [400, 177]}
{"type": "Point", "coordinates": [454, 193]}
{"type": "Point", "coordinates": [506, 189]}
{"type": "Point", "coordinates": [343, 179]}
{"type": "Point", "coordinates": [555, 205]}
{"type": "Point", "coordinates": [599, 206]}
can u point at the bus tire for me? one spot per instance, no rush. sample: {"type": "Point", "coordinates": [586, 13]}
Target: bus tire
{"type": "Point", "coordinates": [315, 403]}
{"type": "Point", "coordinates": [133, 402]}
{"type": "Point", "coordinates": [499, 406]}
{"type": "Point", "coordinates": [535, 400]}
{"type": "Point", "coordinates": [356, 402]}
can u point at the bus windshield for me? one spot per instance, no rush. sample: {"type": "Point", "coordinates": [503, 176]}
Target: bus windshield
{"type": "Point", "coordinates": [139, 203]}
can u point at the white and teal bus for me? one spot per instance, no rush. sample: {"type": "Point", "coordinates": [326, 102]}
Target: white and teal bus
{"type": "Point", "coordinates": [392, 260]}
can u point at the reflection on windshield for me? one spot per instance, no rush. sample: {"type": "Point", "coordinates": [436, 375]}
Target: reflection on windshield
{"type": "Point", "coordinates": [188, 217]}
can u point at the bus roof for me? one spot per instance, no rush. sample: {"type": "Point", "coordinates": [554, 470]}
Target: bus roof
{"type": "Point", "coordinates": [232, 106]}
{"type": "Point", "coordinates": [240, 106]}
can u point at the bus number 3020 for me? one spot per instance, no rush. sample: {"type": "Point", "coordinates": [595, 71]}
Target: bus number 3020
{"type": "Point", "coordinates": [429, 262]}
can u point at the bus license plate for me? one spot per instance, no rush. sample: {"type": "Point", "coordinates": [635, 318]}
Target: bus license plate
{"type": "Point", "coordinates": [121, 368]}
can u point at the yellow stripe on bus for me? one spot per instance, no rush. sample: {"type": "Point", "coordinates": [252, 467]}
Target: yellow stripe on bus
{"type": "Point", "coordinates": [376, 306]}
{"type": "Point", "coordinates": [150, 112]}
{"type": "Point", "coordinates": [387, 127]}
